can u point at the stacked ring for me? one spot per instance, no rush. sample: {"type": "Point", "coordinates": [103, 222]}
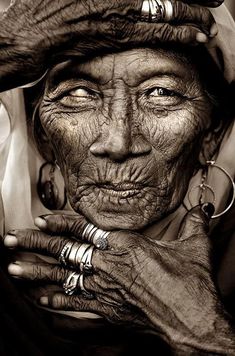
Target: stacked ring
{"type": "Point", "coordinates": [75, 255]}
{"type": "Point", "coordinates": [85, 264]}
{"type": "Point", "coordinates": [80, 253]}
{"type": "Point", "coordinates": [85, 293]}
{"type": "Point", "coordinates": [71, 285]}
{"type": "Point", "coordinates": [71, 282]}
{"type": "Point", "coordinates": [65, 253]}
{"type": "Point", "coordinates": [157, 11]}
{"type": "Point", "coordinates": [96, 236]}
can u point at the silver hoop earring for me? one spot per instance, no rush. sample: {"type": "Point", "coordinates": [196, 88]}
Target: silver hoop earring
{"type": "Point", "coordinates": [213, 164]}
{"type": "Point", "coordinates": [204, 186]}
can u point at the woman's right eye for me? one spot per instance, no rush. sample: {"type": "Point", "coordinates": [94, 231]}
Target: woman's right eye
{"type": "Point", "coordinates": [82, 93]}
{"type": "Point", "coordinates": [79, 96]}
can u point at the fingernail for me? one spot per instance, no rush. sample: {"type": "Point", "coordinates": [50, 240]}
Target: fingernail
{"type": "Point", "coordinates": [213, 30]}
{"type": "Point", "coordinates": [201, 37]}
{"type": "Point", "coordinates": [208, 209]}
{"type": "Point", "coordinates": [10, 241]}
{"type": "Point", "coordinates": [44, 301]}
{"type": "Point", "coordinates": [40, 222]}
{"type": "Point", "coordinates": [15, 269]}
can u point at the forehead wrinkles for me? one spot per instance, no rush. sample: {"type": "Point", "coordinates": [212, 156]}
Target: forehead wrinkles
{"type": "Point", "coordinates": [111, 69]}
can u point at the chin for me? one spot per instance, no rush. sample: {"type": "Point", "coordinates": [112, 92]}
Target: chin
{"type": "Point", "coordinates": [123, 220]}
{"type": "Point", "coordinates": [112, 221]}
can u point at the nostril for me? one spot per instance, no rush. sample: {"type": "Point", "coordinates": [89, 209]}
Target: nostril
{"type": "Point", "coordinates": [97, 149]}
{"type": "Point", "coordinates": [114, 148]}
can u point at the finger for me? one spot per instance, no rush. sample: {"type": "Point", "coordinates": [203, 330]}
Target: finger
{"type": "Point", "coordinates": [37, 241]}
{"type": "Point", "coordinates": [61, 301]}
{"type": "Point", "coordinates": [38, 272]}
{"type": "Point", "coordinates": [117, 313]}
{"type": "Point", "coordinates": [62, 224]}
{"type": "Point", "coordinates": [153, 34]}
{"type": "Point", "coordinates": [196, 15]}
{"type": "Point", "coordinates": [120, 31]}
{"type": "Point", "coordinates": [196, 221]}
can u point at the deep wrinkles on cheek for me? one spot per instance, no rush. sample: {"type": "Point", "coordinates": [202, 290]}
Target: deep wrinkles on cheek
{"type": "Point", "coordinates": [178, 128]}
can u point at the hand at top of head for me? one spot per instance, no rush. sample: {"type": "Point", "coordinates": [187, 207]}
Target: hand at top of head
{"type": "Point", "coordinates": [36, 34]}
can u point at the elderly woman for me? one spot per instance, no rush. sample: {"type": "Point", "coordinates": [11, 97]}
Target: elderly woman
{"type": "Point", "coordinates": [133, 119]}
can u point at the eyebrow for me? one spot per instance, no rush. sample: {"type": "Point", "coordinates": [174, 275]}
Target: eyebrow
{"type": "Point", "coordinates": [72, 70]}
{"type": "Point", "coordinates": [66, 71]}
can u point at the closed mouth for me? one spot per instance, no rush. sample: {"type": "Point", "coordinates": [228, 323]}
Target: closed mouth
{"type": "Point", "coordinates": [121, 190]}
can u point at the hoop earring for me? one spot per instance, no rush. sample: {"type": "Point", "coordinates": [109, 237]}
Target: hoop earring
{"type": "Point", "coordinates": [203, 187]}
{"type": "Point", "coordinates": [48, 190]}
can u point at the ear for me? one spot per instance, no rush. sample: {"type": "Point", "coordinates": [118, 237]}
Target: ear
{"type": "Point", "coordinates": [42, 141]}
{"type": "Point", "coordinates": [212, 139]}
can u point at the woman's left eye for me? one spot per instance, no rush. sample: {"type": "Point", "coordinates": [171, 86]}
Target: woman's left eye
{"type": "Point", "coordinates": [159, 91]}
{"type": "Point", "coordinates": [159, 96]}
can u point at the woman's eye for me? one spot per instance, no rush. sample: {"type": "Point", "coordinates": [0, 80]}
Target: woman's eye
{"type": "Point", "coordinates": [161, 92]}
{"type": "Point", "coordinates": [159, 96]}
{"type": "Point", "coordinates": [82, 93]}
{"type": "Point", "coordinates": [80, 97]}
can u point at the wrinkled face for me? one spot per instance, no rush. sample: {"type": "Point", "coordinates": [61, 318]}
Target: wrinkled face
{"type": "Point", "coordinates": [126, 130]}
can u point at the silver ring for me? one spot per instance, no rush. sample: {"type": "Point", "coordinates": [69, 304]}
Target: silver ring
{"type": "Point", "coordinates": [71, 283]}
{"type": "Point", "coordinates": [145, 11]}
{"type": "Point", "coordinates": [84, 292]}
{"type": "Point", "coordinates": [157, 11]}
{"type": "Point", "coordinates": [169, 11]}
{"type": "Point", "coordinates": [96, 236]}
{"type": "Point", "coordinates": [85, 264]}
{"type": "Point", "coordinates": [65, 252]}
{"type": "Point", "coordinates": [80, 252]}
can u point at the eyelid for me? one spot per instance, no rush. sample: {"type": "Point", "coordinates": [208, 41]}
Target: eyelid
{"type": "Point", "coordinates": [64, 88]}
{"type": "Point", "coordinates": [88, 90]}
{"type": "Point", "coordinates": [170, 91]}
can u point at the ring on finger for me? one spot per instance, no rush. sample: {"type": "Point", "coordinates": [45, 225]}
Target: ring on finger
{"type": "Point", "coordinates": [72, 253]}
{"type": "Point", "coordinates": [96, 236]}
{"type": "Point", "coordinates": [157, 11]}
{"type": "Point", "coordinates": [65, 252]}
{"type": "Point", "coordinates": [85, 264]}
{"type": "Point", "coordinates": [71, 283]}
{"type": "Point", "coordinates": [84, 292]}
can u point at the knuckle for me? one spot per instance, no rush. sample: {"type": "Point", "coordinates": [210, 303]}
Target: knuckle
{"type": "Point", "coordinates": [56, 244]}
{"type": "Point", "coordinates": [166, 33]}
{"type": "Point", "coordinates": [58, 274]}
{"type": "Point", "coordinates": [77, 225]}
{"type": "Point", "coordinates": [57, 301]}
{"type": "Point", "coordinates": [75, 303]}
{"type": "Point", "coordinates": [36, 273]}
{"type": "Point", "coordinates": [184, 34]}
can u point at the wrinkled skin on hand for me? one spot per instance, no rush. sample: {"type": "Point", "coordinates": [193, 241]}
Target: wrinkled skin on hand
{"type": "Point", "coordinates": [127, 130]}
{"type": "Point", "coordinates": [35, 34]}
{"type": "Point", "coordinates": [167, 286]}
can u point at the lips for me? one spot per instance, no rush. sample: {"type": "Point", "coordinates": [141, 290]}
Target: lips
{"type": "Point", "coordinates": [121, 190]}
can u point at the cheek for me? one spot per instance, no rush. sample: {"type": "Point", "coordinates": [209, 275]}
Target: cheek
{"type": "Point", "coordinates": [176, 132]}
{"type": "Point", "coordinates": [177, 137]}
{"type": "Point", "coordinates": [70, 135]}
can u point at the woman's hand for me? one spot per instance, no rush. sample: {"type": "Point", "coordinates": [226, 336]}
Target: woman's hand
{"type": "Point", "coordinates": [37, 34]}
{"type": "Point", "coordinates": [166, 286]}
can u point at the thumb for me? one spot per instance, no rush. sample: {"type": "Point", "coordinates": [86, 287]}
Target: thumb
{"type": "Point", "coordinates": [196, 221]}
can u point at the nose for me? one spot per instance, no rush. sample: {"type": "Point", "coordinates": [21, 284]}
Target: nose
{"type": "Point", "coordinates": [118, 143]}
{"type": "Point", "coordinates": [114, 143]}
{"type": "Point", "coordinates": [118, 140]}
